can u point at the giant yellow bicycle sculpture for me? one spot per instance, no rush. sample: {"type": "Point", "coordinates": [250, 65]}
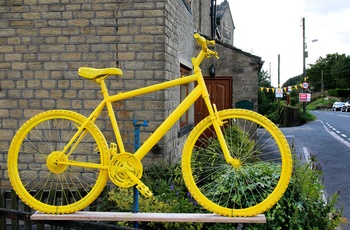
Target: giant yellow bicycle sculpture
{"type": "Point", "coordinates": [235, 162]}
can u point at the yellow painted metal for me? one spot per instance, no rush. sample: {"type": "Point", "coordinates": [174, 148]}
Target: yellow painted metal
{"type": "Point", "coordinates": [77, 158]}
{"type": "Point", "coordinates": [37, 170]}
{"type": "Point", "coordinates": [204, 190]}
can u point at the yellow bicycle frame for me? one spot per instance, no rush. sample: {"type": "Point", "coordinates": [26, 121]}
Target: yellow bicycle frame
{"type": "Point", "coordinates": [199, 90]}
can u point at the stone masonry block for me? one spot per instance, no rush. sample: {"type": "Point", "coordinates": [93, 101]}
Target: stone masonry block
{"type": "Point", "coordinates": [153, 105]}
{"type": "Point", "coordinates": [55, 65]}
{"type": "Point", "coordinates": [153, 29]}
{"type": "Point", "coordinates": [78, 22]}
{"type": "Point", "coordinates": [144, 115]}
{"type": "Point", "coordinates": [133, 104]}
{"type": "Point", "coordinates": [105, 14]}
{"type": "Point", "coordinates": [127, 55]}
{"type": "Point", "coordinates": [10, 124]}
{"type": "Point", "coordinates": [144, 38]}
{"type": "Point", "coordinates": [18, 65]}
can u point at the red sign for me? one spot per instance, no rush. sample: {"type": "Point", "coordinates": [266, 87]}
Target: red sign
{"type": "Point", "coordinates": [304, 97]}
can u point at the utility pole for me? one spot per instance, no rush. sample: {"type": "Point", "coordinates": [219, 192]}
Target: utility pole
{"type": "Point", "coordinates": [322, 87]}
{"type": "Point", "coordinates": [278, 81]}
{"type": "Point", "coordinates": [270, 73]}
{"type": "Point", "coordinates": [304, 60]}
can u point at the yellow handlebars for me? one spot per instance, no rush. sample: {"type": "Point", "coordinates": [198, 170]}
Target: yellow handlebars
{"type": "Point", "coordinates": [205, 52]}
{"type": "Point", "coordinates": [201, 41]}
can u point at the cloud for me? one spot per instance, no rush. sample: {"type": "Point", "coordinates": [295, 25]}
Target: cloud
{"type": "Point", "coordinates": [271, 27]}
{"type": "Point", "coordinates": [324, 7]}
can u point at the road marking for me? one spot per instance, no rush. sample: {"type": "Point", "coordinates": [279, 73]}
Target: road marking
{"type": "Point", "coordinates": [306, 154]}
{"type": "Point", "coordinates": [334, 134]}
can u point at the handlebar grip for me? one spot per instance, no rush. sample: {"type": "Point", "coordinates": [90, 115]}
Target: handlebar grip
{"type": "Point", "coordinates": [204, 42]}
{"type": "Point", "coordinates": [201, 41]}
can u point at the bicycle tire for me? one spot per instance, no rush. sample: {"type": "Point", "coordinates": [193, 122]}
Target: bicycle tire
{"type": "Point", "coordinates": [56, 188]}
{"type": "Point", "coordinates": [260, 180]}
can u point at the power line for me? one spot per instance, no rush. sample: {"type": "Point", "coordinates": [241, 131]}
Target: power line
{"type": "Point", "coordinates": [307, 7]}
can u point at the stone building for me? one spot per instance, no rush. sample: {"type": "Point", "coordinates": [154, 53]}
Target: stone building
{"type": "Point", "coordinates": [43, 43]}
{"type": "Point", "coordinates": [224, 22]}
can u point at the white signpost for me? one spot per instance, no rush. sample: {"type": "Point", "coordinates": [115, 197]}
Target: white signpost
{"type": "Point", "coordinates": [279, 92]}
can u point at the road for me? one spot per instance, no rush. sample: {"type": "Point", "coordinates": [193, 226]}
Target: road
{"type": "Point", "coordinates": [329, 139]}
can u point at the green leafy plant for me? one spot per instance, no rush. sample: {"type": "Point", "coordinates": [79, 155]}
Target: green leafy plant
{"type": "Point", "coordinates": [301, 207]}
{"type": "Point", "coordinates": [170, 196]}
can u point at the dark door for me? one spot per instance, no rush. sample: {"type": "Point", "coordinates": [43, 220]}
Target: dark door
{"type": "Point", "coordinates": [220, 92]}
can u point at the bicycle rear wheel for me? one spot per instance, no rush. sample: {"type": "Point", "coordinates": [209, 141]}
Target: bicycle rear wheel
{"type": "Point", "coordinates": [52, 187]}
{"type": "Point", "coordinates": [260, 180]}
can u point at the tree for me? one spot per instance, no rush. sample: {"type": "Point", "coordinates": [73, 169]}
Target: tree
{"type": "Point", "coordinates": [294, 81]}
{"type": "Point", "coordinates": [264, 79]}
{"type": "Point", "coordinates": [341, 72]}
{"type": "Point", "coordinates": [336, 72]}
{"type": "Point", "coordinates": [265, 99]}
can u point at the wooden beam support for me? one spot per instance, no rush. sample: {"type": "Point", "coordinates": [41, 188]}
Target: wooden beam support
{"type": "Point", "coordinates": [149, 217]}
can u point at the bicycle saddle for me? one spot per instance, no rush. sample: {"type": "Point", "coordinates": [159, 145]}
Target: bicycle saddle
{"type": "Point", "coordinates": [92, 73]}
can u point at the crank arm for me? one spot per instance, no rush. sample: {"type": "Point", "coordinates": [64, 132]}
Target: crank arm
{"type": "Point", "coordinates": [144, 190]}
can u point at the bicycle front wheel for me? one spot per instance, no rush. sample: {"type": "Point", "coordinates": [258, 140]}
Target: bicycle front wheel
{"type": "Point", "coordinates": [44, 177]}
{"type": "Point", "coordinates": [249, 188]}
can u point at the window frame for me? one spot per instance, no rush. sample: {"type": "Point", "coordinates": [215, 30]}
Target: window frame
{"type": "Point", "coordinates": [184, 119]}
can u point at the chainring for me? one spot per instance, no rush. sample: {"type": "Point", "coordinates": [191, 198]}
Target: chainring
{"type": "Point", "coordinates": [120, 163]}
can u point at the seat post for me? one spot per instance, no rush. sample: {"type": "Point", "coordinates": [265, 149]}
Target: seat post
{"type": "Point", "coordinates": [101, 82]}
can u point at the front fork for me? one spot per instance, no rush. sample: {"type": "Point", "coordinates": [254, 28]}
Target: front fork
{"type": "Point", "coordinates": [217, 123]}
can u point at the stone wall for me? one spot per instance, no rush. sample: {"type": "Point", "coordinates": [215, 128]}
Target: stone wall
{"type": "Point", "coordinates": [244, 69]}
{"type": "Point", "coordinates": [154, 38]}
{"type": "Point", "coordinates": [43, 43]}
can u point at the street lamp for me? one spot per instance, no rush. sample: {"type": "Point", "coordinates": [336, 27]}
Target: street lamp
{"type": "Point", "coordinates": [305, 55]}
{"type": "Point", "coordinates": [304, 60]}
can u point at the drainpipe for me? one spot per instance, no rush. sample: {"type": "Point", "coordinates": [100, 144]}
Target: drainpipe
{"type": "Point", "coordinates": [213, 18]}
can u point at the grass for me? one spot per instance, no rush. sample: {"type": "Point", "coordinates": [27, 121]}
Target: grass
{"type": "Point", "coordinates": [321, 102]}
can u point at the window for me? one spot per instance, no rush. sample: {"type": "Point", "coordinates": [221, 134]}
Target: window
{"type": "Point", "coordinates": [188, 4]}
{"type": "Point", "coordinates": [183, 94]}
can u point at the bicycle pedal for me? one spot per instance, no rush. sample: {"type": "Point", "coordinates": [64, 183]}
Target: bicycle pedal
{"type": "Point", "coordinates": [144, 190]}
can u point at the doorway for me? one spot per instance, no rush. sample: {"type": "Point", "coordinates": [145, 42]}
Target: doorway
{"type": "Point", "coordinates": [220, 92]}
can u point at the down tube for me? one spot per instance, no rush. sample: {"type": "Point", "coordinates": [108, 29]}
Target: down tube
{"type": "Point", "coordinates": [169, 122]}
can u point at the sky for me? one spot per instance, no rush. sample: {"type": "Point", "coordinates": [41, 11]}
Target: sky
{"type": "Point", "coordinates": [268, 28]}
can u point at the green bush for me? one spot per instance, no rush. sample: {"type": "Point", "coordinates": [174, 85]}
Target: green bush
{"type": "Point", "coordinates": [338, 92]}
{"type": "Point", "coordinates": [275, 114]}
{"type": "Point", "coordinates": [170, 196]}
{"type": "Point", "coordinates": [301, 207]}
{"type": "Point", "coordinates": [307, 116]}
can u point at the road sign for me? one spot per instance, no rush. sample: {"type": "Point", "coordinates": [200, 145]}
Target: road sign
{"type": "Point", "coordinates": [304, 97]}
{"type": "Point", "coordinates": [305, 85]}
{"type": "Point", "coordinates": [279, 92]}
